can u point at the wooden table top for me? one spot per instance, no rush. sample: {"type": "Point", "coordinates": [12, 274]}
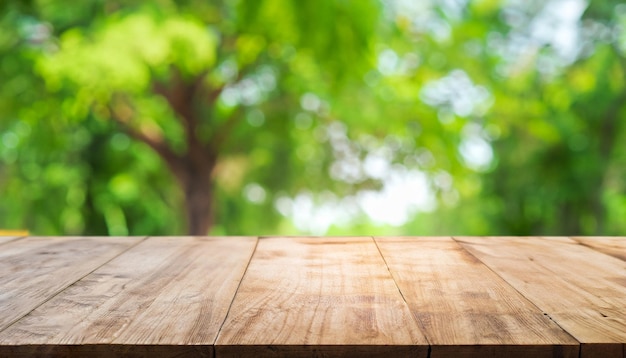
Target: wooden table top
{"type": "Point", "coordinates": [306, 296]}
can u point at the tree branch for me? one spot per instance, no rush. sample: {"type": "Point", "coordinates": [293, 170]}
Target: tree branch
{"type": "Point", "coordinates": [181, 97]}
{"type": "Point", "coordinates": [157, 144]}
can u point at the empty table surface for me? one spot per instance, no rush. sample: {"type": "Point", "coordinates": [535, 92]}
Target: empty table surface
{"type": "Point", "coordinates": [313, 296]}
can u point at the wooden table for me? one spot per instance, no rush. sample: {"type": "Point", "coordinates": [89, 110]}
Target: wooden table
{"type": "Point", "coordinates": [301, 296]}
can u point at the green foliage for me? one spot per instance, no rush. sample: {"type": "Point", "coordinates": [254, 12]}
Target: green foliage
{"type": "Point", "coordinates": [311, 105]}
{"type": "Point", "coordinates": [126, 52]}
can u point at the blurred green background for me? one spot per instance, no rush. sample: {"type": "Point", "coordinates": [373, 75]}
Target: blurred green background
{"type": "Point", "coordinates": [347, 117]}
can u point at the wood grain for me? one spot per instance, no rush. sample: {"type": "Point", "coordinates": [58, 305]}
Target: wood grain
{"type": "Point", "coordinates": [302, 297]}
{"type": "Point", "coordinates": [319, 297]}
{"type": "Point", "coordinates": [610, 245]}
{"type": "Point", "coordinates": [5, 239]}
{"type": "Point", "coordinates": [166, 292]}
{"type": "Point", "coordinates": [34, 269]}
{"type": "Point", "coordinates": [582, 290]}
{"type": "Point", "coordinates": [465, 309]}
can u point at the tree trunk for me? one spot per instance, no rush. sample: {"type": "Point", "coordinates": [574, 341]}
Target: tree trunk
{"type": "Point", "coordinates": [194, 167]}
{"type": "Point", "coordinates": [193, 171]}
{"type": "Point", "coordinates": [198, 192]}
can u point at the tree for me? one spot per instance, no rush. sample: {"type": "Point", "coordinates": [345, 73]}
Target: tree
{"type": "Point", "coordinates": [236, 110]}
{"type": "Point", "coordinates": [214, 91]}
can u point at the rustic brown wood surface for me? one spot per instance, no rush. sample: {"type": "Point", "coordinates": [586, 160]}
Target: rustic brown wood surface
{"type": "Point", "coordinates": [311, 297]}
{"type": "Point", "coordinates": [35, 269]}
{"type": "Point", "coordinates": [582, 290]}
{"type": "Point", "coordinates": [465, 307]}
{"type": "Point", "coordinates": [166, 291]}
{"type": "Point", "coordinates": [614, 246]}
{"type": "Point", "coordinates": [320, 292]}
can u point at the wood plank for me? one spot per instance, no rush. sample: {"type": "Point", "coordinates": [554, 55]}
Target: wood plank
{"type": "Point", "coordinates": [465, 309]}
{"type": "Point", "coordinates": [610, 245]}
{"type": "Point", "coordinates": [303, 297]}
{"type": "Point", "coordinates": [166, 296]}
{"type": "Point", "coordinates": [5, 239]}
{"type": "Point", "coordinates": [582, 290]}
{"type": "Point", "coordinates": [34, 269]}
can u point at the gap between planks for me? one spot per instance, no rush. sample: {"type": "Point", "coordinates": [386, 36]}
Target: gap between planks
{"type": "Point", "coordinates": [230, 305]}
{"type": "Point", "coordinates": [418, 321]}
